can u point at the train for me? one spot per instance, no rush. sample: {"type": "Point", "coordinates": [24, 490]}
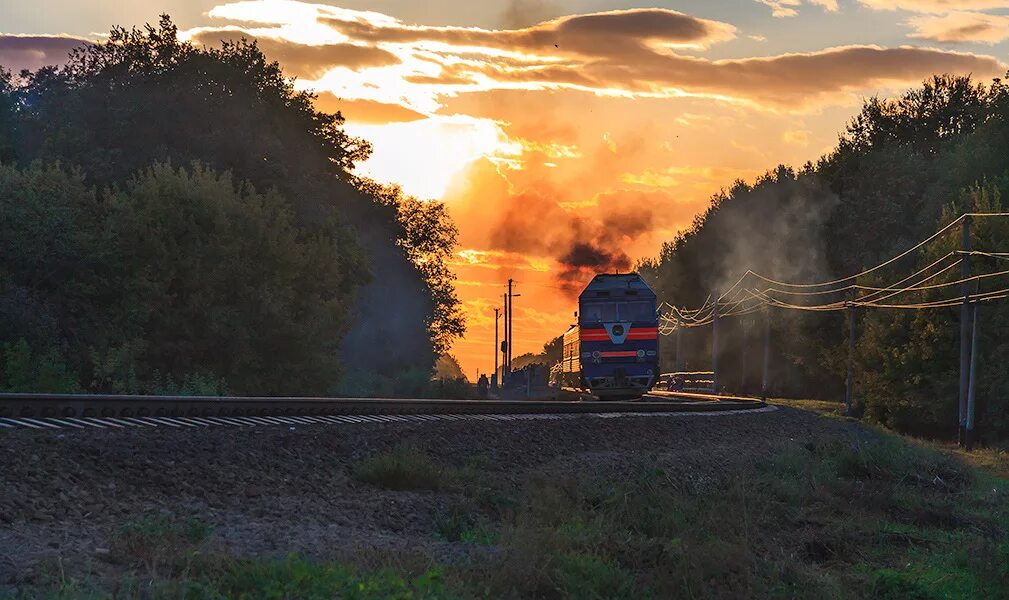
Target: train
{"type": "Point", "coordinates": [612, 352]}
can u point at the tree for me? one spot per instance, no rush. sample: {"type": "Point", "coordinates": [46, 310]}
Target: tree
{"type": "Point", "coordinates": [144, 98]}
{"type": "Point", "coordinates": [902, 168]}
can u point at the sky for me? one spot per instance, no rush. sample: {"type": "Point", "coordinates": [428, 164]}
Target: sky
{"type": "Point", "coordinates": [567, 136]}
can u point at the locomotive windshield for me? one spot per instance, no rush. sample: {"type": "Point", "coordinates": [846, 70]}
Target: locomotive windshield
{"type": "Point", "coordinates": [599, 312]}
{"type": "Point", "coordinates": [637, 311]}
{"type": "Point", "coordinates": [605, 312]}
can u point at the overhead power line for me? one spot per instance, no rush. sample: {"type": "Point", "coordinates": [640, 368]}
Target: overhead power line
{"type": "Point", "coordinates": [754, 291]}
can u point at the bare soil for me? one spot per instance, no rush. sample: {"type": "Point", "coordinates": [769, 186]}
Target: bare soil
{"type": "Point", "coordinates": [270, 491]}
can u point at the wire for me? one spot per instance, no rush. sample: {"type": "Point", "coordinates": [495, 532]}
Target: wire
{"type": "Point", "coordinates": [676, 318]}
{"type": "Point", "coordinates": [872, 269]}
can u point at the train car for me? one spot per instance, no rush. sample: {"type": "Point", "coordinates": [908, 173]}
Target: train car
{"type": "Point", "coordinates": [613, 351]}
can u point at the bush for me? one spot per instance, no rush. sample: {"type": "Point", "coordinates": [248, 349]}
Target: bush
{"type": "Point", "coordinates": [160, 544]}
{"type": "Point", "coordinates": [27, 371]}
{"type": "Point", "coordinates": [405, 468]}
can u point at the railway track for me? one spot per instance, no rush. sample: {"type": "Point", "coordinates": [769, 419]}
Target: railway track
{"type": "Point", "coordinates": [59, 411]}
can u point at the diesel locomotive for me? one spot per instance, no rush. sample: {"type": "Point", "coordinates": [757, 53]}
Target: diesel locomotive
{"type": "Point", "coordinates": [612, 353]}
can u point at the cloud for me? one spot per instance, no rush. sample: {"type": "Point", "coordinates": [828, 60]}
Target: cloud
{"type": "Point", "coordinates": [935, 6]}
{"type": "Point", "coordinates": [787, 82]}
{"type": "Point", "coordinates": [797, 137]}
{"type": "Point", "coordinates": [302, 60]}
{"type": "Point", "coordinates": [633, 53]}
{"type": "Point", "coordinates": [622, 32]}
{"type": "Point", "coordinates": [788, 8]}
{"type": "Point", "coordinates": [31, 52]}
{"type": "Point", "coordinates": [961, 27]}
{"type": "Point", "coordinates": [366, 111]}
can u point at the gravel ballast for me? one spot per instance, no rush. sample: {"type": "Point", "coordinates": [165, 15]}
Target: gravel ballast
{"type": "Point", "coordinates": [269, 491]}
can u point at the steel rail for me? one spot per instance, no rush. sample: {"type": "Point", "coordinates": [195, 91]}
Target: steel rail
{"type": "Point", "coordinates": [90, 405]}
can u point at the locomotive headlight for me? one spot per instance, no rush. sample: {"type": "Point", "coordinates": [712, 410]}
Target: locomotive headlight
{"type": "Point", "coordinates": [641, 353]}
{"type": "Point", "coordinates": [595, 354]}
{"type": "Point", "coordinates": [618, 330]}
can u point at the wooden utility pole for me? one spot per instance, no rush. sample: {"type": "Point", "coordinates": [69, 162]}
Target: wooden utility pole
{"type": "Point", "coordinates": [714, 347]}
{"type": "Point", "coordinates": [964, 330]}
{"type": "Point", "coordinates": [972, 391]}
{"type": "Point", "coordinates": [767, 352]}
{"type": "Point", "coordinates": [849, 381]}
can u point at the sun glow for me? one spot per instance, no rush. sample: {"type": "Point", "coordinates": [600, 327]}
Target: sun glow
{"type": "Point", "coordinates": [454, 142]}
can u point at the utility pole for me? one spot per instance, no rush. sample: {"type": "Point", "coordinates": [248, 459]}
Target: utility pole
{"type": "Point", "coordinates": [494, 380]}
{"type": "Point", "coordinates": [744, 347]}
{"type": "Point", "coordinates": [714, 347]}
{"type": "Point", "coordinates": [506, 344]}
{"type": "Point", "coordinates": [510, 324]}
{"type": "Point", "coordinates": [767, 352]}
{"type": "Point", "coordinates": [964, 330]}
{"type": "Point", "coordinates": [969, 426]}
{"type": "Point", "coordinates": [849, 381]}
{"type": "Point", "coordinates": [679, 344]}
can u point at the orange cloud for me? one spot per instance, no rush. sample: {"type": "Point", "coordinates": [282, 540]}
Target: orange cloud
{"type": "Point", "coordinates": [796, 137]}
{"type": "Point", "coordinates": [302, 60]}
{"type": "Point", "coordinates": [935, 6]}
{"type": "Point", "coordinates": [959, 27]}
{"type": "Point", "coordinates": [788, 8]}
{"type": "Point", "coordinates": [629, 53]}
{"type": "Point", "coordinates": [605, 33]}
{"type": "Point", "coordinates": [366, 111]}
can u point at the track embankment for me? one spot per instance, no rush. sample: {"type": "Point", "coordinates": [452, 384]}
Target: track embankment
{"type": "Point", "coordinates": [268, 491]}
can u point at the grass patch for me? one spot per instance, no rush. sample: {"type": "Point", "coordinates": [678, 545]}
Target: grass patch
{"type": "Point", "coordinates": [460, 525]}
{"type": "Point", "coordinates": [865, 516]}
{"type": "Point", "coordinates": [405, 468]}
{"type": "Point", "coordinates": [294, 578]}
{"type": "Point", "coordinates": [827, 408]}
{"type": "Point", "coordinates": [159, 544]}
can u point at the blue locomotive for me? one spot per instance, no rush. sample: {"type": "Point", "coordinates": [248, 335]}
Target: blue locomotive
{"type": "Point", "coordinates": [613, 351]}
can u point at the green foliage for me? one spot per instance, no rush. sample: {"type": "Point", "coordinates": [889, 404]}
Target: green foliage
{"type": "Point", "coordinates": [247, 268]}
{"type": "Point", "coordinates": [461, 525]}
{"type": "Point", "coordinates": [25, 371]}
{"type": "Point", "coordinates": [407, 383]}
{"type": "Point", "coordinates": [405, 468]}
{"type": "Point", "coordinates": [159, 544]}
{"type": "Point", "coordinates": [590, 576]}
{"type": "Point", "coordinates": [865, 515]}
{"type": "Point", "coordinates": [295, 577]}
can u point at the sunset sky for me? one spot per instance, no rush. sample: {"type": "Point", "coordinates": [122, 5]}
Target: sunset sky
{"type": "Point", "coordinates": [566, 133]}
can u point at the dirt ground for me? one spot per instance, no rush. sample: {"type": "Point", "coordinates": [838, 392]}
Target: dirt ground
{"type": "Point", "coordinates": [274, 490]}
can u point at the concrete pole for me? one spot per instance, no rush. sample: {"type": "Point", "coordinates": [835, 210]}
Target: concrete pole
{"type": "Point", "coordinates": [849, 381]}
{"type": "Point", "coordinates": [497, 348]}
{"type": "Point", "coordinates": [767, 352]}
{"type": "Point", "coordinates": [972, 392]}
{"type": "Point", "coordinates": [714, 347]}
{"type": "Point", "coordinates": [964, 330]}
{"type": "Point", "coordinates": [507, 342]}
{"type": "Point", "coordinates": [511, 325]}
{"type": "Point", "coordinates": [679, 344]}
{"type": "Point", "coordinates": [745, 348]}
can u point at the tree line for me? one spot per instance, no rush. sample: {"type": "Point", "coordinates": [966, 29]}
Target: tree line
{"type": "Point", "coordinates": [179, 219]}
{"type": "Point", "coordinates": [902, 168]}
